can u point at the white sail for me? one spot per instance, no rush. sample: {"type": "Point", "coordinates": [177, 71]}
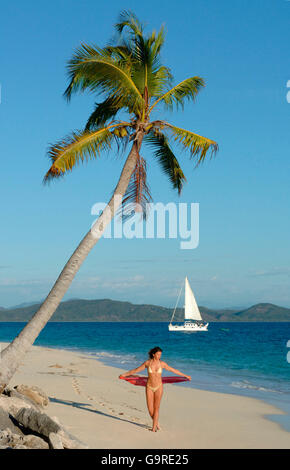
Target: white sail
{"type": "Point", "coordinates": [191, 311]}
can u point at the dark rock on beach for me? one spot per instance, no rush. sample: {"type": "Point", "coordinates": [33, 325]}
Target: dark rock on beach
{"type": "Point", "coordinates": [7, 422]}
{"type": "Point", "coordinates": [23, 424]}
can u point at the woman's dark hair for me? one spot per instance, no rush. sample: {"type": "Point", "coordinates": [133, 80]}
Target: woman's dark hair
{"type": "Point", "coordinates": [153, 351]}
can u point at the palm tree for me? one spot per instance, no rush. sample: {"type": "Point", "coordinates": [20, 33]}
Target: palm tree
{"type": "Point", "coordinates": [130, 78]}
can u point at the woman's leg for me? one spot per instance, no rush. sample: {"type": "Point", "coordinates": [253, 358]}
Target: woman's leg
{"type": "Point", "coordinates": [157, 400]}
{"type": "Point", "coordinates": [150, 401]}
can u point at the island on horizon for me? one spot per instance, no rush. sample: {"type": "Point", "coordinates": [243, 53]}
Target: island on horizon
{"type": "Point", "coordinates": [101, 310]}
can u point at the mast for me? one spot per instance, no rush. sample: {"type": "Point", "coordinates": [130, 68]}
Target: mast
{"type": "Point", "coordinates": [176, 305]}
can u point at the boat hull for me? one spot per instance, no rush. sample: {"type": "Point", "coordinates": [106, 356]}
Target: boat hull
{"type": "Point", "coordinates": [192, 327]}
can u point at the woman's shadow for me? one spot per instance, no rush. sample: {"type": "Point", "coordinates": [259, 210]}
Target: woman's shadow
{"type": "Point", "coordinates": [84, 406]}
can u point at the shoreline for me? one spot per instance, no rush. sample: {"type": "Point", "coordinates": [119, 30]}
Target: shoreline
{"type": "Point", "coordinates": [283, 418]}
{"type": "Point", "coordinates": [107, 413]}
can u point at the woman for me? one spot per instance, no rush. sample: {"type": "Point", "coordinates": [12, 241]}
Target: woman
{"type": "Point", "coordinates": [154, 387]}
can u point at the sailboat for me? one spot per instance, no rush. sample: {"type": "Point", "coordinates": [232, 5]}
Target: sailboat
{"type": "Point", "coordinates": [192, 317]}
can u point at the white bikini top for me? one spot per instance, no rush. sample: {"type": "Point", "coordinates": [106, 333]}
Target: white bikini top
{"type": "Point", "coordinates": [158, 372]}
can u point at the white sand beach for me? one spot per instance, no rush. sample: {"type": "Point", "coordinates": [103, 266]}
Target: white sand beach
{"type": "Point", "coordinates": [105, 412]}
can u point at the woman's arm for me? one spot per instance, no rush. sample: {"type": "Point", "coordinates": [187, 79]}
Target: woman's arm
{"type": "Point", "coordinates": [175, 371]}
{"type": "Point", "coordinates": [133, 371]}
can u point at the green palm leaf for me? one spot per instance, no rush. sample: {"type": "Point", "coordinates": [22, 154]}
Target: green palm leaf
{"type": "Point", "coordinates": [148, 74]}
{"type": "Point", "coordinates": [166, 158]}
{"type": "Point", "coordinates": [76, 148]}
{"type": "Point", "coordinates": [95, 69]}
{"type": "Point", "coordinates": [197, 145]}
{"type": "Point", "coordinates": [103, 112]}
{"type": "Point", "coordinates": [129, 19]}
{"type": "Point", "coordinates": [187, 89]}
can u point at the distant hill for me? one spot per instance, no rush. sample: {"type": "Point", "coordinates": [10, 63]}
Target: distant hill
{"type": "Point", "coordinates": [93, 310]}
{"type": "Point", "coordinates": [263, 312]}
{"type": "Point", "coordinates": [113, 310]}
{"type": "Point", "coordinates": [25, 304]}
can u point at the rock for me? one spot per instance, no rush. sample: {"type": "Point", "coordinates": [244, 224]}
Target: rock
{"type": "Point", "coordinates": [12, 405]}
{"type": "Point", "coordinates": [4, 419]}
{"type": "Point", "coordinates": [35, 394]}
{"type": "Point", "coordinates": [13, 401]}
{"type": "Point", "coordinates": [21, 418]}
{"type": "Point", "coordinates": [43, 424]}
{"type": "Point", "coordinates": [14, 441]}
{"type": "Point", "coordinates": [28, 419]}
{"type": "Point", "coordinates": [6, 422]}
{"type": "Point", "coordinates": [7, 437]}
{"type": "Point", "coordinates": [4, 436]}
{"type": "Point", "coordinates": [37, 421]}
{"type": "Point", "coordinates": [35, 442]}
{"type": "Point", "coordinates": [55, 441]}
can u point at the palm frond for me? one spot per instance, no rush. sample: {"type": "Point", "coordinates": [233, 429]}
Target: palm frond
{"type": "Point", "coordinates": [149, 73]}
{"type": "Point", "coordinates": [166, 158]}
{"type": "Point", "coordinates": [158, 41]}
{"type": "Point", "coordinates": [76, 148]}
{"type": "Point", "coordinates": [144, 51]}
{"type": "Point", "coordinates": [160, 79]}
{"type": "Point", "coordinates": [121, 54]}
{"type": "Point", "coordinates": [187, 89]}
{"type": "Point", "coordinates": [128, 19]}
{"type": "Point", "coordinates": [103, 112]}
{"type": "Point", "coordinates": [95, 69]}
{"type": "Point", "coordinates": [138, 192]}
{"type": "Point", "coordinates": [197, 145]}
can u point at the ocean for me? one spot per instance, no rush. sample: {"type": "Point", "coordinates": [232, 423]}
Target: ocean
{"type": "Point", "coordinates": [237, 358]}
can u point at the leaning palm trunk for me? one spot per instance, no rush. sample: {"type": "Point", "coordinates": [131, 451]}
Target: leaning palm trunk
{"type": "Point", "coordinates": [12, 355]}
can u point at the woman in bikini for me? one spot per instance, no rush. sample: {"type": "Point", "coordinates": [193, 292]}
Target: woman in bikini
{"type": "Point", "coordinates": [154, 387]}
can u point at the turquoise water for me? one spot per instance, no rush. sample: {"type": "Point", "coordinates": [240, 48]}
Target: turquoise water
{"type": "Point", "coordinates": [239, 358]}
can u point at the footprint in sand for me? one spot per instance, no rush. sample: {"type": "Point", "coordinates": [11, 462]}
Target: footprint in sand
{"type": "Point", "coordinates": [76, 386]}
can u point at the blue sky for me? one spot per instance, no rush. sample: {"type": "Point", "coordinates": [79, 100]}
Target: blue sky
{"type": "Point", "coordinates": [241, 49]}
